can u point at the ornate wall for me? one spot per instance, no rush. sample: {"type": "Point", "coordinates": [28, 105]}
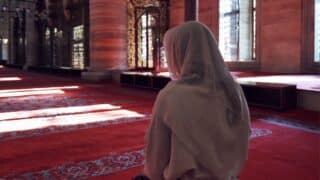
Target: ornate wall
{"type": "Point", "coordinates": [131, 4]}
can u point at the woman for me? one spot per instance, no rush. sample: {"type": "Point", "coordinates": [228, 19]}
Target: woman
{"type": "Point", "coordinates": [200, 123]}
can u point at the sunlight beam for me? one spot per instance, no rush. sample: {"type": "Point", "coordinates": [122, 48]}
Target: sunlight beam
{"type": "Point", "coordinates": [66, 120]}
{"type": "Point", "coordinates": [10, 79]}
{"type": "Point", "coordinates": [39, 89]}
{"type": "Point", "coordinates": [281, 79]}
{"type": "Point", "coordinates": [16, 94]}
{"type": "Point", "coordinates": [56, 111]}
{"type": "Point", "coordinates": [303, 82]}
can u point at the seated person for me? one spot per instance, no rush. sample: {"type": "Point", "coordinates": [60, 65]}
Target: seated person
{"type": "Point", "coordinates": [199, 129]}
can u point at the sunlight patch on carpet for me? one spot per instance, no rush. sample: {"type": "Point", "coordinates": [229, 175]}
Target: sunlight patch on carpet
{"type": "Point", "coordinates": [68, 128]}
{"type": "Point", "coordinates": [65, 120]}
{"type": "Point", "coordinates": [10, 79]}
{"type": "Point", "coordinates": [56, 111]}
{"type": "Point", "coordinates": [39, 89]}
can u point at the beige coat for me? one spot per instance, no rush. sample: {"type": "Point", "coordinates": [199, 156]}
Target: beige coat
{"type": "Point", "coordinates": [200, 123]}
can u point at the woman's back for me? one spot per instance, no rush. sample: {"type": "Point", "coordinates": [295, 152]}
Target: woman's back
{"type": "Point", "coordinates": [201, 138]}
{"type": "Point", "coordinates": [200, 123]}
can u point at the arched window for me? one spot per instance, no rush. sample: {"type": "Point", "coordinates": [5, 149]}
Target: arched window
{"type": "Point", "coordinates": [147, 24]}
{"type": "Point", "coordinates": [317, 32]}
{"type": "Point", "coordinates": [147, 37]}
{"type": "Point", "coordinates": [237, 29]}
{"type": "Point", "coordinates": [78, 47]}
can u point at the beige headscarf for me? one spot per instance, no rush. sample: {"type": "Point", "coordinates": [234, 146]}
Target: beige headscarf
{"type": "Point", "coordinates": [201, 119]}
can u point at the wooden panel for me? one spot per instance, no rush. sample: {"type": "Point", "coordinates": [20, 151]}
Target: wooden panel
{"type": "Point", "coordinates": [148, 81]}
{"type": "Point", "coordinates": [275, 96]}
{"type": "Point", "coordinates": [176, 12]}
{"type": "Point", "coordinates": [308, 30]}
{"type": "Point", "coordinates": [209, 15]}
{"type": "Point", "coordinates": [281, 26]}
{"type": "Point", "coordinates": [281, 36]}
{"type": "Point", "coordinates": [108, 34]}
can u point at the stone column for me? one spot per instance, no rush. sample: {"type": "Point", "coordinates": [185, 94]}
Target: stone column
{"type": "Point", "coordinates": [4, 35]}
{"type": "Point", "coordinates": [31, 39]}
{"type": "Point", "coordinates": [108, 39]}
{"type": "Point", "coordinates": [12, 58]}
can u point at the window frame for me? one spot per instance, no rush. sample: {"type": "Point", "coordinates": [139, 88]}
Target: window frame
{"type": "Point", "coordinates": [231, 14]}
{"type": "Point", "coordinates": [308, 65]}
{"type": "Point", "coordinates": [314, 17]}
{"type": "Point", "coordinates": [254, 29]}
{"type": "Point", "coordinates": [76, 49]}
{"type": "Point", "coordinates": [254, 64]}
{"type": "Point", "coordinates": [139, 12]}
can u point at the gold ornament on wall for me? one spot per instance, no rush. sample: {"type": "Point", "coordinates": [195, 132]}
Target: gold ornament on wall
{"type": "Point", "coordinates": [131, 6]}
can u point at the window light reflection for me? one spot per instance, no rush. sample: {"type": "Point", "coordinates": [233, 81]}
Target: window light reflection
{"type": "Point", "coordinates": [39, 89]}
{"type": "Point", "coordinates": [10, 79]}
{"type": "Point", "coordinates": [56, 111]}
{"type": "Point", "coordinates": [66, 120]}
{"type": "Point", "coordinates": [29, 93]}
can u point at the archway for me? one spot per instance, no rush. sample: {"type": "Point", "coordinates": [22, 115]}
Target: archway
{"type": "Point", "coordinates": [147, 24]}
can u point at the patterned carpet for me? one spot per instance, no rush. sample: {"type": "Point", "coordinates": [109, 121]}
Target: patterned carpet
{"type": "Point", "coordinates": [61, 128]}
{"type": "Point", "coordinates": [111, 163]}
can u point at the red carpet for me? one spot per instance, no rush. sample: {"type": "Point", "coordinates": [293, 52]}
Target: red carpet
{"type": "Point", "coordinates": [97, 131]}
{"type": "Point", "coordinates": [274, 152]}
{"type": "Point", "coordinates": [297, 117]}
{"type": "Point", "coordinates": [48, 122]}
{"type": "Point", "coordinates": [286, 153]}
{"type": "Point", "coordinates": [19, 157]}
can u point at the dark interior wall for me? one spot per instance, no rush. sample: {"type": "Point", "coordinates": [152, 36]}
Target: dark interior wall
{"type": "Point", "coordinates": [280, 33]}
{"type": "Point", "coordinates": [308, 38]}
{"type": "Point", "coordinates": [208, 14]}
{"type": "Point", "coordinates": [176, 12]}
{"type": "Point", "coordinates": [281, 25]}
{"type": "Point", "coordinates": [50, 33]}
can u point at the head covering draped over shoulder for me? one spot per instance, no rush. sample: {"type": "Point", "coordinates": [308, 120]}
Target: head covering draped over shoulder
{"type": "Point", "coordinates": [200, 120]}
{"type": "Point", "coordinates": [193, 57]}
